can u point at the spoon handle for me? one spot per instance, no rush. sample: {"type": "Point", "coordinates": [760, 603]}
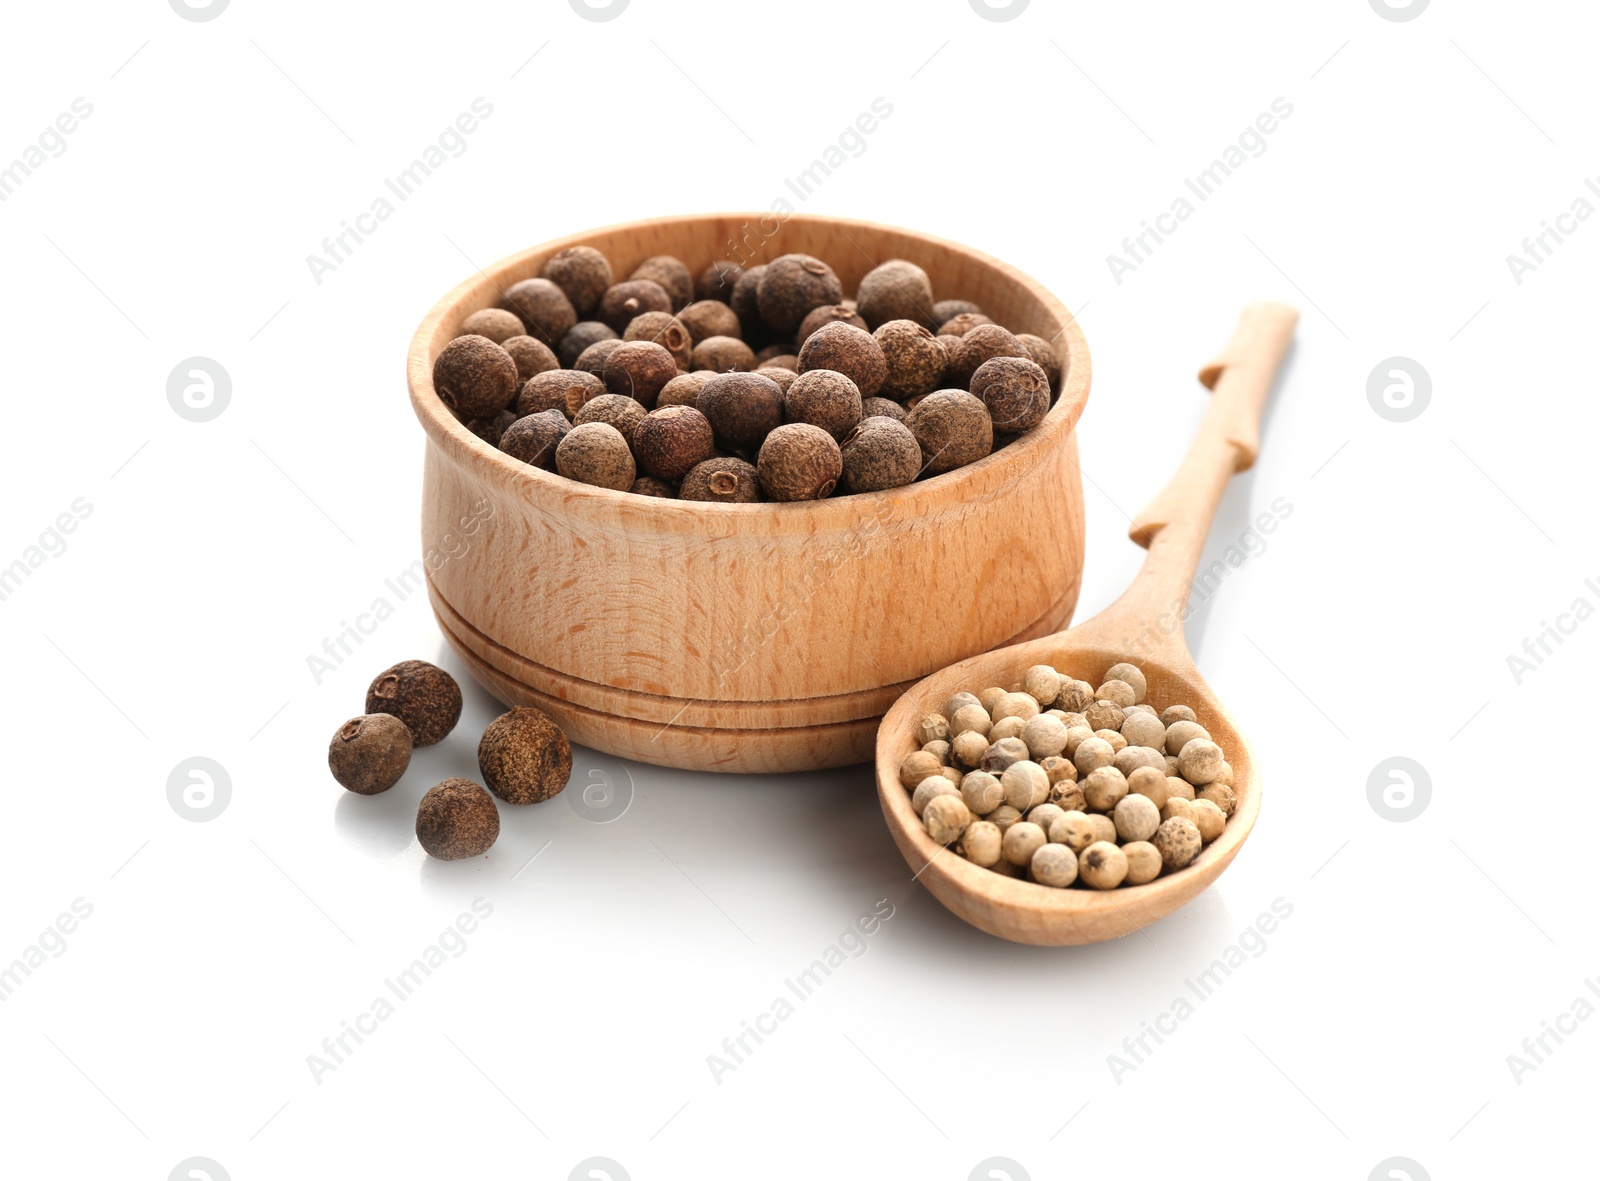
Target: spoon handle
{"type": "Point", "coordinates": [1173, 526]}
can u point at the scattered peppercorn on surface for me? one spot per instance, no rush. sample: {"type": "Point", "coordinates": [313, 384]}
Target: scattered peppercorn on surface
{"type": "Point", "coordinates": [1069, 784]}
{"type": "Point", "coordinates": [741, 384]}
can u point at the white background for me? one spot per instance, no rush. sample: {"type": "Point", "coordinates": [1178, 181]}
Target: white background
{"type": "Point", "coordinates": [217, 557]}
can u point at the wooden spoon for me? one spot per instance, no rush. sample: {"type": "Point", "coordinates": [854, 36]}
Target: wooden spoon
{"type": "Point", "coordinates": [1144, 627]}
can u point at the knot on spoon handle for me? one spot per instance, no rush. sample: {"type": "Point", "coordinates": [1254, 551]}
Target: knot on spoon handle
{"type": "Point", "coordinates": [1240, 378]}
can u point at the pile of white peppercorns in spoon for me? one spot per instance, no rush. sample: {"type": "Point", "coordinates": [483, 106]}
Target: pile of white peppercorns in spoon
{"type": "Point", "coordinates": [1069, 783]}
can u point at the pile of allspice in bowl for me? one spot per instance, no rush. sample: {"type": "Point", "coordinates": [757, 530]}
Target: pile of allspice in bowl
{"type": "Point", "coordinates": [741, 384]}
{"type": "Point", "coordinates": [1069, 784]}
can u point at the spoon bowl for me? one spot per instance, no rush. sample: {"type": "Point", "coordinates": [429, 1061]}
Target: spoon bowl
{"type": "Point", "coordinates": [1143, 627]}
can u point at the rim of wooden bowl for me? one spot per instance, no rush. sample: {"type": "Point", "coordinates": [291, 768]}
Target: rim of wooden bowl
{"type": "Point", "coordinates": [993, 471]}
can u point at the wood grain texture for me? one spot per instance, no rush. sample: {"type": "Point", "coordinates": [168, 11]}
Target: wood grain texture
{"type": "Point", "coordinates": [1144, 626]}
{"type": "Point", "coordinates": [746, 637]}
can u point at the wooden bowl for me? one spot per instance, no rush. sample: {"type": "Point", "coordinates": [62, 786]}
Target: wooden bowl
{"type": "Point", "coordinates": [758, 637]}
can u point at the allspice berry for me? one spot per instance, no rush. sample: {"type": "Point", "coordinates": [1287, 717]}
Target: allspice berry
{"type": "Point", "coordinates": [823, 398]}
{"type": "Point", "coordinates": [745, 300]}
{"type": "Point", "coordinates": [706, 318]}
{"type": "Point", "coordinates": [1042, 355]}
{"type": "Point", "coordinates": [496, 324]}
{"type": "Point", "coordinates": [983, 343]}
{"type": "Point", "coordinates": [534, 438]}
{"type": "Point", "coordinates": [880, 453]}
{"type": "Point", "coordinates": [582, 273]}
{"type": "Point", "coordinates": [683, 389]}
{"type": "Point", "coordinates": [619, 410]}
{"type": "Point", "coordinates": [524, 756]}
{"type": "Point", "coordinates": [781, 355]}
{"type": "Point", "coordinates": [666, 330]}
{"type": "Point", "coordinates": [596, 453]}
{"type": "Point", "coordinates": [948, 309]}
{"type": "Point", "coordinates": [623, 301]}
{"type": "Point", "coordinates": [791, 286]}
{"type": "Point", "coordinates": [962, 323]}
{"type": "Point", "coordinates": [457, 819]}
{"type": "Point", "coordinates": [849, 350]}
{"type": "Point", "coordinates": [593, 359]}
{"type": "Point", "coordinates": [743, 408]}
{"type": "Point", "coordinates": [724, 479]}
{"type": "Point", "coordinates": [952, 428]}
{"type": "Point", "coordinates": [667, 443]}
{"type": "Point", "coordinates": [717, 280]}
{"type": "Point", "coordinates": [369, 754]}
{"type": "Point", "coordinates": [882, 408]}
{"type": "Point", "coordinates": [490, 429]}
{"type": "Point", "coordinates": [565, 390]}
{"type": "Point", "coordinates": [799, 462]}
{"type": "Point", "coordinates": [914, 362]}
{"type": "Point", "coordinates": [671, 274]}
{"type": "Point", "coordinates": [423, 696]}
{"type": "Point", "coordinates": [532, 356]}
{"type": "Point", "coordinates": [650, 486]}
{"type": "Point", "coordinates": [723, 354]}
{"type": "Point", "coordinates": [895, 290]}
{"type": "Point", "coordinates": [474, 377]}
{"type": "Point", "coordinates": [828, 313]}
{"type": "Point", "coordinates": [544, 308]}
{"type": "Point", "coordinates": [784, 377]}
{"type": "Point", "coordinates": [639, 368]}
{"type": "Point", "coordinates": [1015, 391]}
{"type": "Point", "coordinates": [578, 338]}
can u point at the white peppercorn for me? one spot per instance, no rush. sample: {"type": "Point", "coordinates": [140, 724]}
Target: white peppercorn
{"type": "Point", "coordinates": [1044, 815]}
{"type": "Point", "coordinates": [1103, 714]}
{"type": "Point", "coordinates": [1004, 817]}
{"type": "Point", "coordinates": [953, 774]}
{"type": "Point", "coordinates": [1042, 683]}
{"type": "Point", "coordinates": [1200, 760]}
{"type": "Point", "coordinates": [1103, 865]}
{"type": "Point", "coordinates": [1179, 807]}
{"type": "Point", "coordinates": [1143, 707]}
{"type": "Point", "coordinates": [1103, 787]}
{"type": "Point", "coordinates": [968, 747]}
{"type": "Point", "coordinates": [957, 700]}
{"type": "Point", "coordinates": [1054, 865]}
{"type": "Point", "coordinates": [980, 844]}
{"type": "Point", "coordinates": [1141, 728]}
{"type": "Point", "coordinates": [1179, 788]}
{"type": "Point", "coordinates": [1076, 735]}
{"type": "Point", "coordinates": [1073, 830]}
{"type": "Point", "coordinates": [981, 792]}
{"type": "Point", "coordinates": [1011, 727]}
{"type": "Point", "coordinates": [1025, 785]}
{"type": "Point", "coordinates": [1105, 828]}
{"type": "Point", "coordinates": [1021, 841]}
{"type": "Point", "coordinates": [1144, 863]}
{"type": "Point", "coordinates": [1219, 794]}
{"type": "Point", "coordinates": [916, 767]}
{"type": "Point", "coordinates": [1208, 818]}
{"type": "Point", "coordinates": [1136, 818]}
{"type": "Point", "coordinates": [928, 789]}
{"type": "Point", "coordinates": [946, 818]}
{"type": "Point", "coordinates": [990, 697]}
{"type": "Point", "coordinates": [1150, 783]}
{"type": "Point", "coordinates": [1130, 758]}
{"type": "Point", "coordinates": [932, 728]}
{"type": "Point", "coordinates": [971, 717]}
{"type": "Point", "coordinates": [1130, 675]}
{"type": "Point", "coordinates": [1075, 696]}
{"type": "Point", "coordinates": [939, 749]}
{"type": "Point", "coordinates": [1067, 795]}
{"type": "Point", "coordinates": [1172, 767]}
{"type": "Point", "coordinates": [1045, 736]}
{"type": "Point", "coordinates": [1015, 705]}
{"type": "Point", "coordinates": [1224, 773]}
{"type": "Point", "coordinates": [1092, 752]}
{"type": "Point", "coordinates": [1179, 733]}
{"type": "Point", "coordinates": [1177, 713]}
{"type": "Point", "coordinates": [1178, 842]}
{"type": "Point", "coordinates": [1119, 692]}
{"type": "Point", "coordinates": [1002, 753]}
{"type": "Point", "coordinates": [1059, 769]}
{"type": "Point", "coordinates": [1113, 739]}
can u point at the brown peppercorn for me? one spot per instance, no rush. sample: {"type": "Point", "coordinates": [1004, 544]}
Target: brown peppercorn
{"type": "Point", "coordinates": [724, 479]}
{"type": "Point", "coordinates": [596, 453]}
{"type": "Point", "coordinates": [784, 377]}
{"type": "Point", "coordinates": [1042, 355]}
{"type": "Point", "coordinates": [565, 390]}
{"type": "Point", "coordinates": [799, 462]}
{"type": "Point", "coordinates": [952, 428]}
{"type": "Point", "coordinates": [667, 443]}
{"type": "Point", "coordinates": [423, 696]}
{"type": "Point", "coordinates": [369, 754]}
{"type": "Point", "coordinates": [532, 356]}
{"type": "Point", "coordinates": [743, 408]}
{"type": "Point", "coordinates": [650, 486]}
{"type": "Point", "coordinates": [534, 438]}
{"type": "Point", "coordinates": [544, 308]}
{"type": "Point", "coordinates": [1015, 391]}
{"type": "Point", "coordinates": [683, 389]}
{"type": "Point", "coordinates": [524, 756]}
{"type": "Point", "coordinates": [639, 368]}
{"type": "Point", "coordinates": [948, 309]}
{"type": "Point", "coordinates": [849, 350]}
{"type": "Point", "coordinates": [983, 343]}
{"type": "Point", "coordinates": [781, 353]}
{"type": "Point", "coordinates": [791, 286]}
{"type": "Point", "coordinates": [673, 276]}
{"type": "Point", "coordinates": [914, 361]}
{"type": "Point", "coordinates": [823, 398]}
{"type": "Point", "coordinates": [578, 338]}
{"type": "Point", "coordinates": [723, 354]}
{"type": "Point", "coordinates": [895, 290]}
{"type": "Point", "coordinates": [717, 280]}
{"type": "Point", "coordinates": [828, 313]}
{"type": "Point", "coordinates": [490, 429]}
{"type": "Point", "coordinates": [619, 410]}
{"type": "Point", "coordinates": [582, 273]}
{"type": "Point", "coordinates": [710, 317]}
{"type": "Point", "coordinates": [880, 453]}
{"type": "Point", "coordinates": [962, 323]}
{"type": "Point", "coordinates": [746, 303]}
{"type": "Point", "coordinates": [474, 377]}
{"type": "Point", "coordinates": [457, 819]}
{"type": "Point", "coordinates": [496, 324]}
{"type": "Point", "coordinates": [623, 301]}
{"type": "Point", "coordinates": [666, 330]}
{"type": "Point", "coordinates": [882, 408]}
{"type": "Point", "coordinates": [593, 359]}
